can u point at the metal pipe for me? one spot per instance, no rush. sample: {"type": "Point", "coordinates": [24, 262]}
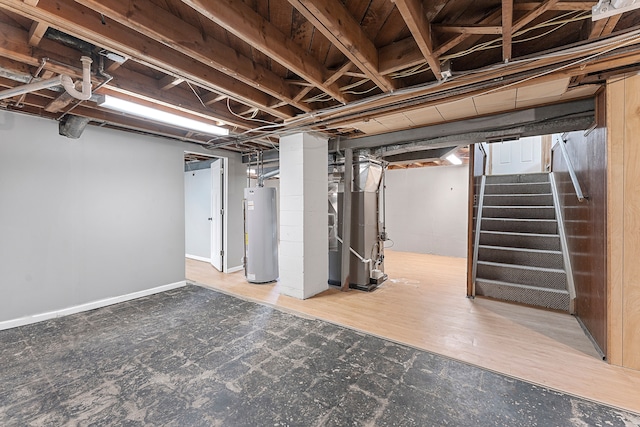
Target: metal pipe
{"type": "Point", "coordinates": [31, 87]}
{"type": "Point", "coordinates": [346, 219]}
{"type": "Point", "coordinates": [572, 172]}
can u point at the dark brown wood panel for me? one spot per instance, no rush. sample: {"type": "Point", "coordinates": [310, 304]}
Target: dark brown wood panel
{"type": "Point", "coordinates": [585, 222]}
{"type": "Point", "coordinates": [477, 160]}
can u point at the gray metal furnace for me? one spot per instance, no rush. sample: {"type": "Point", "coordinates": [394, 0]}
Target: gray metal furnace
{"type": "Point", "coordinates": [260, 235]}
{"type": "Point", "coordinates": [366, 263]}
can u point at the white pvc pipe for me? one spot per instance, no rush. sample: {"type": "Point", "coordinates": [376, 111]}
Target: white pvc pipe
{"type": "Point", "coordinates": [62, 79]}
{"type": "Point", "coordinates": [69, 86]}
{"type": "Point", "coordinates": [31, 87]}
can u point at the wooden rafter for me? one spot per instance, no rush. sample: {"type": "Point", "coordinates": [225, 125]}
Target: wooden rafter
{"type": "Point", "coordinates": [154, 22]}
{"type": "Point", "coordinates": [561, 5]}
{"type": "Point", "coordinates": [413, 13]}
{"type": "Point", "coordinates": [37, 32]}
{"type": "Point", "coordinates": [80, 22]}
{"type": "Point", "coordinates": [168, 82]}
{"type": "Point", "coordinates": [242, 21]}
{"type": "Point", "coordinates": [507, 29]}
{"type": "Point", "coordinates": [335, 22]}
{"type": "Point", "coordinates": [522, 22]}
{"type": "Point", "coordinates": [450, 44]}
{"type": "Point", "coordinates": [469, 29]}
{"type": "Point", "coordinates": [604, 27]}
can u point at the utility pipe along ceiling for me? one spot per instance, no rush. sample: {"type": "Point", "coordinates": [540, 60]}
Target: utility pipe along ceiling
{"type": "Point", "coordinates": [350, 69]}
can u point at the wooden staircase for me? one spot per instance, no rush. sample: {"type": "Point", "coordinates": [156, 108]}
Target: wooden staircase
{"type": "Point", "coordinates": [519, 255]}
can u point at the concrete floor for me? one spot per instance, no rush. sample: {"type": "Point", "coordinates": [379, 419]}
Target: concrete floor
{"type": "Point", "coordinates": [196, 357]}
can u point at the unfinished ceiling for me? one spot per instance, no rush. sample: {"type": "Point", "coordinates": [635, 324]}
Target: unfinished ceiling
{"type": "Point", "coordinates": [351, 68]}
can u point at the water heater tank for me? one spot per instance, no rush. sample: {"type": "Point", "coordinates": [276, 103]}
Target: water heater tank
{"type": "Point", "coordinates": [260, 235]}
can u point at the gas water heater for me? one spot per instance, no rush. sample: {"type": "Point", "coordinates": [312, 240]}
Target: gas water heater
{"type": "Point", "coordinates": [260, 235]}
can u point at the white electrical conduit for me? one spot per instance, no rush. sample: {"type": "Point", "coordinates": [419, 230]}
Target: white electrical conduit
{"type": "Point", "coordinates": [366, 261]}
{"type": "Point", "coordinates": [62, 79]}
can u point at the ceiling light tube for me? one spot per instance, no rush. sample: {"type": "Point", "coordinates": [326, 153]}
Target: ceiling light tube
{"type": "Point", "coordinates": [161, 116]}
{"type": "Point", "coordinates": [453, 159]}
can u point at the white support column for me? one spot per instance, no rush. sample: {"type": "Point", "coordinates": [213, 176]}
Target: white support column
{"type": "Point", "coordinates": [304, 246]}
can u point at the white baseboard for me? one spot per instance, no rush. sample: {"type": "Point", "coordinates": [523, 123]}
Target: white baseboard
{"type": "Point", "coordinates": [198, 258]}
{"type": "Point", "coordinates": [13, 323]}
{"type": "Point", "coordinates": [234, 269]}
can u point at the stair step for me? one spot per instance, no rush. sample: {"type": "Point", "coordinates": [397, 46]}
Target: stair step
{"type": "Point", "coordinates": [551, 278]}
{"type": "Point", "coordinates": [519, 256]}
{"type": "Point", "coordinates": [517, 188]}
{"type": "Point", "coordinates": [527, 177]}
{"type": "Point", "coordinates": [518, 199]}
{"type": "Point", "coordinates": [549, 242]}
{"type": "Point", "coordinates": [521, 225]}
{"type": "Point", "coordinates": [531, 295]}
{"type": "Point", "coordinates": [531, 212]}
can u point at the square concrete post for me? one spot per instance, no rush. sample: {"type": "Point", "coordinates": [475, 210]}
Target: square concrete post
{"type": "Point", "coordinates": [304, 246]}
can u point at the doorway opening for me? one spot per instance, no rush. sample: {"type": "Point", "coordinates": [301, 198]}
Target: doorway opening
{"type": "Point", "coordinates": [205, 189]}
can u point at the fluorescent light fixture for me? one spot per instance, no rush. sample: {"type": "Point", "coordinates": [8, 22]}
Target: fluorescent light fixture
{"type": "Point", "coordinates": [161, 116]}
{"type": "Point", "coordinates": [453, 159]}
{"type": "Point", "coordinates": [607, 8]}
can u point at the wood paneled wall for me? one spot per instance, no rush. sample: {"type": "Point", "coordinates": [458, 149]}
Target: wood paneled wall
{"type": "Point", "coordinates": [477, 166]}
{"type": "Point", "coordinates": [623, 212]}
{"type": "Point", "coordinates": [585, 222]}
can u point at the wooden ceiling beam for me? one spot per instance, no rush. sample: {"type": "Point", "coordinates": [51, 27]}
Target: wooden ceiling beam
{"type": "Point", "coordinates": [125, 81]}
{"type": "Point", "coordinates": [167, 82]}
{"type": "Point", "coordinates": [507, 29]}
{"type": "Point", "coordinates": [522, 22]}
{"type": "Point", "coordinates": [37, 32]}
{"type": "Point", "coordinates": [413, 13]}
{"type": "Point", "coordinates": [455, 41]}
{"type": "Point", "coordinates": [469, 29]}
{"type": "Point", "coordinates": [399, 55]}
{"type": "Point", "coordinates": [604, 27]}
{"type": "Point", "coordinates": [335, 22]}
{"type": "Point", "coordinates": [80, 22]}
{"type": "Point", "coordinates": [242, 21]}
{"type": "Point", "coordinates": [561, 5]}
{"type": "Point", "coordinates": [148, 19]}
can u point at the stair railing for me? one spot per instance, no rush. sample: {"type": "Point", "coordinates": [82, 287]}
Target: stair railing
{"type": "Point", "coordinates": [476, 242]}
{"type": "Point", "coordinates": [572, 172]}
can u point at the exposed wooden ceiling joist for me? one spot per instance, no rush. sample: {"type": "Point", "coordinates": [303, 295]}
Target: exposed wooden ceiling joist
{"type": "Point", "coordinates": [242, 21]}
{"type": "Point", "coordinates": [37, 32]}
{"type": "Point", "coordinates": [335, 22]}
{"type": "Point", "coordinates": [73, 19]}
{"type": "Point", "coordinates": [507, 29]}
{"type": "Point", "coordinates": [414, 15]}
{"type": "Point", "coordinates": [148, 19]}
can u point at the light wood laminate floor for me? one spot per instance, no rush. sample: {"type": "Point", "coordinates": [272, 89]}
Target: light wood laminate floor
{"type": "Point", "coordinates": [423, 304]}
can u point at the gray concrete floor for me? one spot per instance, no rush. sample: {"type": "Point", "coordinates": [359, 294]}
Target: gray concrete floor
{"type": "Point", "coordinates": [196, 357]}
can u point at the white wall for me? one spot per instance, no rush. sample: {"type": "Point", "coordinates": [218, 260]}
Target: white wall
{"type": "Point", "coordinates": [93, 218]}
{"type": "Point", "coordinates": [426, 210]}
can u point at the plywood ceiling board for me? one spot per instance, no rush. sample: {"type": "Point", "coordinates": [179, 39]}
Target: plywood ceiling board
{"type": "Point", "coordinates": [538, 101]}
{"type": "Point", "coordinates": [396, 121]}
{"type": "Point", "coordinates": [543, 90]}
{"type": "Point", "coordinates": [458, 109]}
{"type": "Point", "coordinates": [371, 126]}
{"type": "Point", "coordinates": [581, 91]}
{"type": "Point", "coordinates": [424, 116]}
{"type": "Point", "coordinates": [495, 102]}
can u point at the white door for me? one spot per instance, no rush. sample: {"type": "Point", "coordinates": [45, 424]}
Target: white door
{"type": "Point", "coordinates": [197, 190]}
{"type": "Point", "coordinates": [512, 157]}
{"type": "Point", "coordinates": [217, 212]}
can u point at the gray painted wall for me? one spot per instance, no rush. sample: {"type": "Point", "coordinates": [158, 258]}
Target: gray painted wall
{"type": "Point", "coordinates": [427, 210]}
{"type": "Point", "coordinates": [93, 218]}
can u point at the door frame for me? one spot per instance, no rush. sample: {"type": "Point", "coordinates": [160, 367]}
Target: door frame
{"type": "Point", "coordinates": [223, 202]}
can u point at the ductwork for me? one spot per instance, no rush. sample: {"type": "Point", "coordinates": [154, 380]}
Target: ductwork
{"type": "Point", "coordinates": [63, 79]}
